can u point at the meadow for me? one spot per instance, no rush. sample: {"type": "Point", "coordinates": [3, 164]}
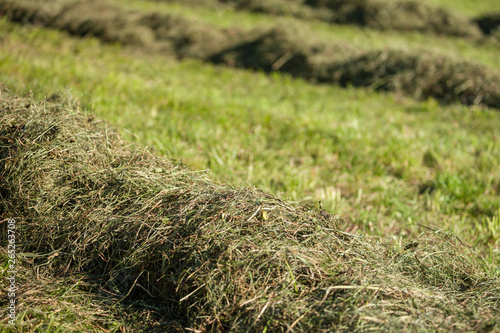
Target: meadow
{"type": "Point", "coordinates": [395, 169]}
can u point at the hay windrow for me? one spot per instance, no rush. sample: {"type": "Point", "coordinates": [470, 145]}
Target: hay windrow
{"type": "Point", "coordinates": [286, 47]}
{"type": "Point", "coordinates": [374, 14]}
{"type": "Point", "coordinates": [421, 76]}
{"type": "Point", "coordinates": [383, 15]}
{"type": "Point", "coordinates": [215, 257]}
{"type": "Point", "coordinates": [490, 24]}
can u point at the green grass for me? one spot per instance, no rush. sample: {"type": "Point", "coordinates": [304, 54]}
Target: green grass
{"type": "Point", "coordinates": [366, 156]}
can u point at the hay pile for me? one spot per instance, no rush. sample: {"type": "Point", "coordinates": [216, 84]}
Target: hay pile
{"type": "Point", "coordinates": [168, 34]}
{"type": "Point", "coordinates": [210, 256]}
{"type": "Point", "coordinates": [75, 17]}
{"type": "Point", "coordinates": [490, 24]}
{"type": "Point", "coordinates": [422, 75]}
{"type": "Point", "coordinates": [287, 48]}
{"type": "Point", "coordinates": [374, 14]}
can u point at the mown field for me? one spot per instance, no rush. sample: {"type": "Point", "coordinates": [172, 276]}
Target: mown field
{"type": "Point", "coordinates": [394, 132]}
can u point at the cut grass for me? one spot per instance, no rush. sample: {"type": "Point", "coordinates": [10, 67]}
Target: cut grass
{"type": "Point", "coordinates": [431, 16]}
{"type": "Point", "coordinates": [285, 48]}
{"type": "Point", "coordinates": [205, 256]}
{"type": "Point", "coordinates": [365, 39]}
{"type": "Point", "coordinates": [49, 303]}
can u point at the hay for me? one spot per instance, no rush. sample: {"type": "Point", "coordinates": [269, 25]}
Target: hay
{"type": "Point", "coordinates": [26, 11]}
{"type": "Point", "coordinates": [400, 16]}
{"type": "Point", "coordinates": [212, 256]}
{"type": "Point", "coordinates": [272, 7]}
{"type": "Point", "coordinates": [188, 38]}
{"type": "Point", "coordinates": [102, 19]}
{"type": "Point", "coordinates": [490, 25]}
{"type": "Point", "coordinates": [286, 48]}
{"type": "Point", "coordinates": [421, 75]}
{"type": "Point", "coordinates": [376, 14]}
{"type": "Point", "coordinates": [108, 21]}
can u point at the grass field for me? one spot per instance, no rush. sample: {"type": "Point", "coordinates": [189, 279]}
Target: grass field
{"type": "Point", "coordinates": [388, 165]}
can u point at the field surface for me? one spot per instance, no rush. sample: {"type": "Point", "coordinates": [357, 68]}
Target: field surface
{"type": "Point", "coordinates": [310, 165]}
